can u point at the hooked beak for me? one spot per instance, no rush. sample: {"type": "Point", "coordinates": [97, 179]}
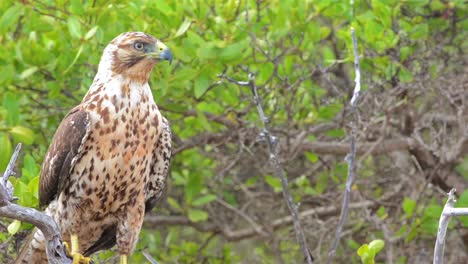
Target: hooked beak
{"type": "Point", "coordinates": [162, 52]}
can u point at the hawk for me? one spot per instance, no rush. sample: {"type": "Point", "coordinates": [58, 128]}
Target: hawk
{"type": "Point", "coordinates": [109, 158]}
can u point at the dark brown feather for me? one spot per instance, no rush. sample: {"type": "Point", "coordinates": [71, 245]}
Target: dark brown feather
{"type": "Point", "coordinates": [108, 237]}
{"type": "Point", "coordinates": [62, 154]}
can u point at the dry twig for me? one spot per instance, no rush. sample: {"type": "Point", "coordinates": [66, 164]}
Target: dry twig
{"type": "Point", "coordinates": [54, 248]}
{"type": "Point", "coordinates": [350, 158]}
{"type": "Point", "coordinates": [272, 143]}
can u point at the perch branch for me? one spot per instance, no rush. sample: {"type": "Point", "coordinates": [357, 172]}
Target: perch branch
{"type": "Point", "coordinates": [272, 143]}
{"type": "Point", "coordinates": [54, 248]}
{"type": "Point", "coordinates": [350, 159]}
{"type": "Point", "coordinates": [448, 212]}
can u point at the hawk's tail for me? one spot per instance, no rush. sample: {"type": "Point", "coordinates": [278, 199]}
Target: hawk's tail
{"type": "Point", "coordinates": [33, 250]}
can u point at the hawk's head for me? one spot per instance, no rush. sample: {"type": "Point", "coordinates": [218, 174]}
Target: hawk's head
{"type": "Point", "coordinates": [133, 55]}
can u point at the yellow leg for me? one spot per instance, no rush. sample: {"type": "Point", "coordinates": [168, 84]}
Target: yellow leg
{"type": "Point", "coordinates": [123, 259]}
{"type": "Point", "coordinates": [75, 244]}
{"type": "Point", "coordinates": [75, 251]}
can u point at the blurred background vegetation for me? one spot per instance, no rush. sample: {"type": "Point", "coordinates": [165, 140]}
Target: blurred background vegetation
{"type": "Point", "coordinates": [224, 204]}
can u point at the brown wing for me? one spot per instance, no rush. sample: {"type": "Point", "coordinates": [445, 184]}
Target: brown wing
{"type": "Point", "coordinates": [154, 188]}
{"type": "Point", "coordinates": [62, 154]}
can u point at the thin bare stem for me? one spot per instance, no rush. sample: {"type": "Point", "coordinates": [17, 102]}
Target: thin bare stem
{"type": "Point", "coordinates": [350, 158]}
{"type": "Point", "coordinates": [149, 257]}
{"type": "Point", "coordinates": [272, 143]}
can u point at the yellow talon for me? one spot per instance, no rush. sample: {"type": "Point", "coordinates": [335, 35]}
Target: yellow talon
{"type": "Point", "coordinates": [74, 252]}
{"type": "Point", "coordinates": [123, 259]}
{"type": "Point", "coordinates": [67, 248]}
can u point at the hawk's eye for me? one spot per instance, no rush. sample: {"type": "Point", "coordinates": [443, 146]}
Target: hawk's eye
{"type": "Point", "coordinates": [138, 46]}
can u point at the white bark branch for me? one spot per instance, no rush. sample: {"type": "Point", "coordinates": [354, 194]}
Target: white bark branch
{"type": "Point", "coordinates": [350, 158]}
{"type": "Point", "coordinates": [54, 247]}
{"type": "Point", "coordinates": [444, 221]}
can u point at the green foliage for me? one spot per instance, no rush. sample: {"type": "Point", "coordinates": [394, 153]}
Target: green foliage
{"type": "Point", "coordinates": [301, 54]}
{"type": "Point", "coordinates": [463, 202]}
{"type": "Point", "coordinates": [367, 252]}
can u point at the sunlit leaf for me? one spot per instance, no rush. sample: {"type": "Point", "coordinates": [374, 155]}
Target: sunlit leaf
{"type": "Point", "coordinates": [201, 84]}
{"type": "Point", "coordinates": [196, 215]}
{"type": "Point", "coordinates": [377, 245]}
{"type": "Point", "coordinates": [5, 151]}
{"type": "Point", "coordinates": [204, 200]}
{"type": "Point", "coordinates": [9, 17]}
{"type": "Point", "coordinates": [91, 32]}
{"type": "Point", "coordinates": [274, 182]}
{"type": "Point", "coordinates": [74, 27]}
{"type": "Point", "coordinates": [26, 73]}
{"type": "Point", "coordinates": [183, 28]}
{"type": "Point", "coordinates": [408, 206]}
{"type": "Point", "coordinates": [14, 227]}
{"type": "Point", "coordinates": [22, 134]}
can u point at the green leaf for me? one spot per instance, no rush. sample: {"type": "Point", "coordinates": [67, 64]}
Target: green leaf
{"type": "Point", "coordinates": [419, 31]}
{"type": "Point", "coordinates": [405, 75]}
{"type": "Point", "coordinates": [164, 7]}
{"type": "Point", "coordinates": [201, 84]}
{"type": "Point", "coordinates": [362, 249]}
{"type": "Point", "coordinates": [33, 187]}
{"type": "Point", "coordinates": [322, 182]}
{"type": "Point", "coordinates": [80, 49]}
{"type": "Point", "coordinates": [234, 51]}
{"type": "Point", "coordinates": [417, 3]}
{"type": "Point", "coordinates": [30, 168]}
{"type": "Point", "coordinates": [336, 133]}
{"type": "Point", "coordinates": [193, 187]}
{"type": "Point", "coordinates": [463, 202]}
{"type": "Point", "coordinates": [208, 52]}
{"type": "Point", "coordinates": [8, 74]}
{"type": "Point", "coordinates": [377, 245]}
{"type": "Point", "coordinates": [382, 13]}
{"type": "Point", "coordinates": [74, 27]}
{"type": "Point", "coordinates": [405, 52]}
{"type": "Point", "coordinates": [312, 157]}
{"type": "Point", "coordinates": [329, 111]}
{"type": "Point", "coordinates": [204, 200]}
{"type": "Point", "coordinates": [9, 17]}
{"type": "Point", "coordinates": [381, 213]}
{"type": "Point", "coordinates": [23, 134]}
{"type": "Point", "coordinates": [328, 56]}
{"type": "Point", "coordinates": [91, 32]}
{"type": "Point", "coordinates": [174, 204]}
{"type": "Point", "coordinates": [11, 104]}
{"type": "Point", "coordinates": [26, 73]}
{"type": "Point", "coordinates": [183, 28]}
{"type": "Point", "coordinates": [408, 206]}
{"type": "Point", "coordinates": [274, 182]}
{"type": "Point", "coordinates": [5, 152]}
{"type": "Point", "coordinates": [196, 215]}
{"type": "Point", "coordinates": [433, 211]}
{"type": "Point", "coordinates": [14, 227]}
{"type": "Point", "coordinates": [76, 7]}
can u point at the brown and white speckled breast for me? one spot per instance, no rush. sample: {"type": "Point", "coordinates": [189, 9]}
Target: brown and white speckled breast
{"type": "Point", "coordinates": [113, 169]}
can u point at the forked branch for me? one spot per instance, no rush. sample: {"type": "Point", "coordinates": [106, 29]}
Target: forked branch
{"type": "Point", "coordinates": [272, 143]}
{"type": "Point", "coordinates": [448, 212]}
{"type": "Point", "coordinates": [54, 248]}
